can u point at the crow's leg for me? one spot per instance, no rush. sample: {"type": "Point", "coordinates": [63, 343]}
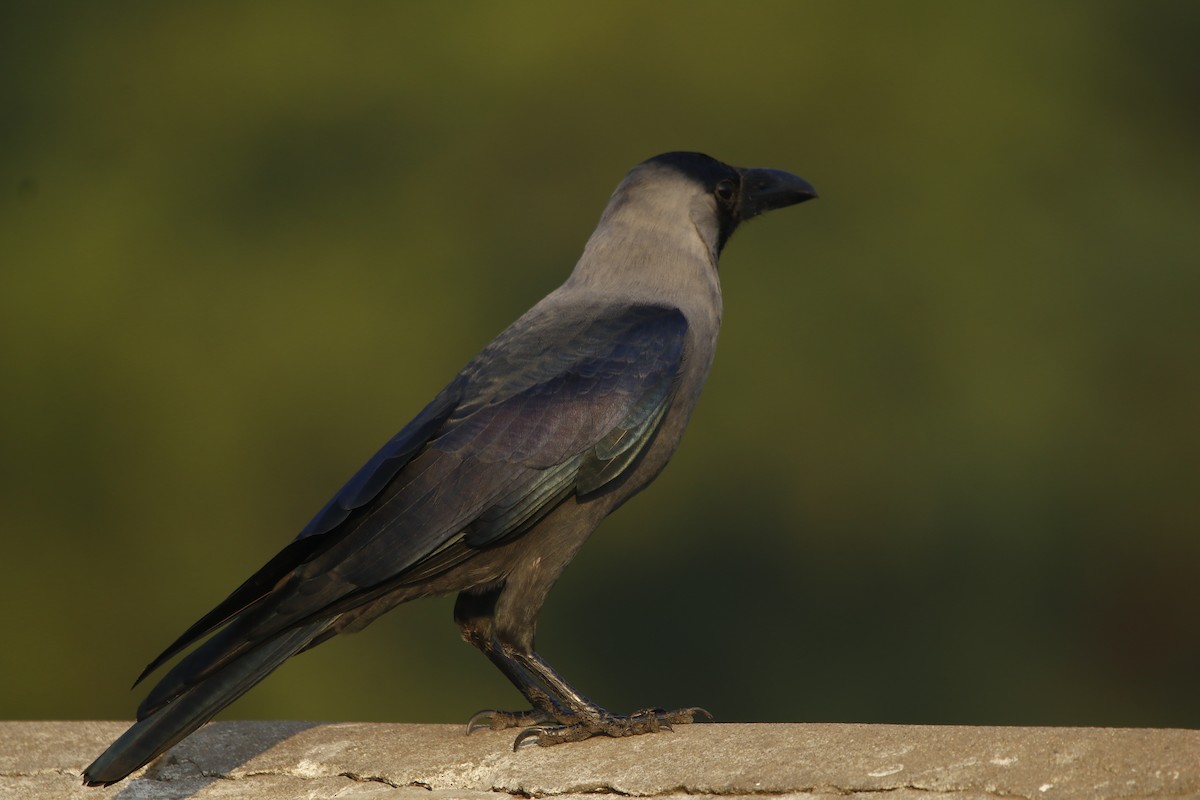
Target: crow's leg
{"type": "Point", "coordinates": [473, 614]}
{"type": "Point", "coordinates": [500, 619]}
{"type": "Point", "coordinates": [560, 712]}
{"type": "Point", "coordinates": [588, 719]}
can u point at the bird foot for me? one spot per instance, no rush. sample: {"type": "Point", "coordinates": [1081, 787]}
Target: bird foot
{"type": "Point", "coordinates": [650, 720]}
{"type": "Point", "coordinates": [499, 720]}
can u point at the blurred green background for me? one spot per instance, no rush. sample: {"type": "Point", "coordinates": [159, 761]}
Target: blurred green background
{"type": "Point", "coordinates": [946, 467]}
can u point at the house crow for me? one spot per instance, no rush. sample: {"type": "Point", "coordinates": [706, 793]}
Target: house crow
{"type": "Point", "coordinates": [494, 486]}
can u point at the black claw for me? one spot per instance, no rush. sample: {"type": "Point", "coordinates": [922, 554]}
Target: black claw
{"type": "Point", "coordinates": [473, 724]}
{"type": "Point", "coordinates": [500, 720]}
{"type": "Point", "coordinates": [534, 733]}
{"type": "Point", "coordinates": [686, 715]}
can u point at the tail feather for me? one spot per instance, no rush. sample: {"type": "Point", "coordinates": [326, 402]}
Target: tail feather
{"type": "Point", "coordinates": [156, 732]}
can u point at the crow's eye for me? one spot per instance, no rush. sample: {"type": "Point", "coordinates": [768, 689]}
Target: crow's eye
{"type": "Point", "coordinates": [726, 191]}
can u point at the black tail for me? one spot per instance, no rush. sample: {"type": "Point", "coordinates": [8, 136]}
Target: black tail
{"type": "Point", "coordinates": [156, 731]}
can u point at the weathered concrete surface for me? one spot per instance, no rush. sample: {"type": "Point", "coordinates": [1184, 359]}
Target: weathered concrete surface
{"type": "Point", "coordinates": [274, 760]}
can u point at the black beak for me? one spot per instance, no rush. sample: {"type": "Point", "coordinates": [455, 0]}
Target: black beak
{"type": "Point", "coordinates": [767, 189]}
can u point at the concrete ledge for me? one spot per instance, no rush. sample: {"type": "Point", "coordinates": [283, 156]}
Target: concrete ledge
{"type": "Point", "coordinates": [346, 760]}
